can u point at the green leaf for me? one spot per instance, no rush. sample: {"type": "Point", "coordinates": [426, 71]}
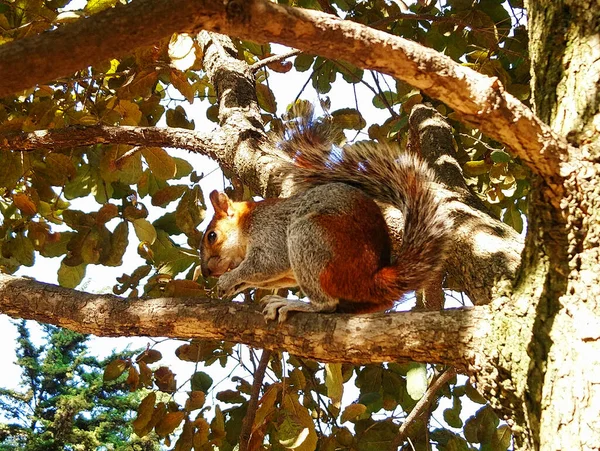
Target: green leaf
{"type": "Point", "coordinates": [416, 381]}
{"type": "Point", "coordinates": [303, 62]}
{"type": "Point", "coordinates": [512, 217]}
{"type": "Point", "coordinates": [499, 156]}
{"type": "Point", "coordinates": [178, 118]}
{"type": "Point", "coordinates": [144, 230]}
{"type": "Point", "coordinates": [201, 381]}
{"type": "Point", "coordinates": [22, 249]}
{"type": "Point", "coordinates": [70, 276]}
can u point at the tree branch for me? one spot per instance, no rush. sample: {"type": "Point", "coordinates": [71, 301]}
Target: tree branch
{"type": "Point", "coordinates": [476, 98]}
{"type": "Point", "coordinates": [452, 337]}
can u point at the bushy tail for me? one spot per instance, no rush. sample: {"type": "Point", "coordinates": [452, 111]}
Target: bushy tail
{"type": "Point", "coordinates": [382, 172]}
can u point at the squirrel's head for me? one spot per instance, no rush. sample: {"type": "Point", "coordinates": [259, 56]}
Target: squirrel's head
{"type": "Point", "coordinates": [224, 242]}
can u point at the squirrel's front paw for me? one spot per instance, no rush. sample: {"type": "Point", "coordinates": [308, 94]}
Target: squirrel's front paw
{"type": "Point", "coordinates": [227, 285]}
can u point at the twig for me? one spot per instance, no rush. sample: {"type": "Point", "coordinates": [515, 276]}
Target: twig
{"type": "Point", "coordinates": [272, 59]}
{"type": "Point", "coordinates": [422, 406]}
{"type": "Point", "coordinates": [259, 375]}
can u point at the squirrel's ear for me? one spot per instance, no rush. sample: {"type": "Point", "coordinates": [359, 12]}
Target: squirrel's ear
{"type": "Point", "coordinates": [220, 203]}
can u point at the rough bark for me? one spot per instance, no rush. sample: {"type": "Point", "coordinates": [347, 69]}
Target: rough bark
{"type": "Point", "coordinates": [476, 98]}
{"type": "Point", "coordinates": [452, 337]}
{"type": "Point", "coordinates": [562, 253]}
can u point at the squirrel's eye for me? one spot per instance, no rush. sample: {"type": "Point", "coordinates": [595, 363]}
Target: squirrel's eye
{"type": "Point", "coordinates": [212, 237]}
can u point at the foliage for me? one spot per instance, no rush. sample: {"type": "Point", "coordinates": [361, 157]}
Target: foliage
{"type": "Point", "coordinates": [302, 404]}
{"type": "Point", "coordinates": [62, 403]}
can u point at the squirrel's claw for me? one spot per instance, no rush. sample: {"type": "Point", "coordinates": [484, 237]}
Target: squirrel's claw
{"type": "Point", "coordinates": [274, 307]}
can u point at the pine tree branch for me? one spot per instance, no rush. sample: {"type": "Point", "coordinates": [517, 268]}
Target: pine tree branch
{"type": "Point", "coordinates": [452, 337]}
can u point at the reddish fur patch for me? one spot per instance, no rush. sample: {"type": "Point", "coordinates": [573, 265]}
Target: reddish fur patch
{"type": "Point", "coordinates": [359, 274]}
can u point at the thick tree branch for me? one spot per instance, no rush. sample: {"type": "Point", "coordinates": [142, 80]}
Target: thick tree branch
{"type": "Point", "coordinates": [478, 99]}
{"type": "Point", "coordinates": [78, 136]}
{"type": "Point", "coordinates": [453, 337]}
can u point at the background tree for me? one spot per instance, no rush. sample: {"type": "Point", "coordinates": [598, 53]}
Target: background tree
{"type": "Point", "coordinates": [103, 80]}
{"type": "Point", "coordinates": [62, 402]}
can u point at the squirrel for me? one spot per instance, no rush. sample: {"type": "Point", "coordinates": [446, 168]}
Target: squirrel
{"type": "Point", "coordinates": [330, 238]}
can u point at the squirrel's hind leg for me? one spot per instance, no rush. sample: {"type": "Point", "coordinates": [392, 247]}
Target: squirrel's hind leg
{"type": "Point", "coordinates": [308, 256]}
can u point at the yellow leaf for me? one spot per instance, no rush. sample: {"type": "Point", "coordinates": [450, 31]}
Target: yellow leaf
{"type": "Point", "coordinates": [145, 412]}
{"type": "Point", "coordinates": [195, 400]}
{"type": "Point", "coordinates": [169, 423]}
{"type": "Point", "coordinates": [144, 230]}
{"type": "Point", "coordinates": [352, 411]}
{"type": "Point", "coordinates": [161, 164]}
{"type": "Point", "coordinates": [334, 382]}
{"type": "Point", "coordinates": [114, 369]}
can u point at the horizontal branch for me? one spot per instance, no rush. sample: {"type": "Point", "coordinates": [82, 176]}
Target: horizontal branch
{"type": "Point", "coordinates": [453, 337]}
{"type": "Point", "coordinates": [78, 136]}
{"type": "Point", "coordinates": [478, 99]}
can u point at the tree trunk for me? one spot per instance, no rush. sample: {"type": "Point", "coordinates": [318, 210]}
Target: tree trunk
{"type": "Point", "coordinates": [552, 361]}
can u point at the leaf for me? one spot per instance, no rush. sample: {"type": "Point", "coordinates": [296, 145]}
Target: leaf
{"type": "Point", "coordinates": [70, 276]}
{"type": "Point", "coordinates": [165, 380]}
{"type": "Point", "coordinates": [201, 381]}
{"type": "Point", "coordinates": [416, 381]}
{"type": "Point", "coordinates": [24, 203]}
{"type": "Point", "coordinates": [164, 196]}
{"type": "Point", "coordinates": [189, 214]}
{"type": "Point", "coordinates": [230, 397]}
{"type": "Point", "coordinates": [95, 6]}
{"type": "Point", "coordinates": [266, 405]}
{"type": "Point", "coordinates": [144, 230]}
{"type": "Point", "coordinates": [184, 168]}
{"type": "Point", "coordinates": [303, 62]}
{"type": "Point", "coordinates": [499, 156]}
{"type": "Point", "coordinates": [106, 213]}
{"type": "Point", "coordinates": [502, 438]}
{"type": "Point", "coordinates": [22, 249]}
{"type": "Point", "coordinates": [475, 168]}
{"type": "Point", "coordinates": [266, 98]}
{"type": "Point", "coordinates": [348, 118]}
{"type": "Point", "coordinates": [186, 439]}
{"type": "Point", "coordinates": [181, 82]}
{"type": "Point", "coordinates": [114, 369]}
{"type": "Point", "coordinates": [305, 435]}
{"type": "Point", "coordinates": [178, 118]}
{"type": "Point", "coordinates": [145, 375]}
{"type": "Point", "coordinates": [149, 356]}
{"type": "Point", "coordinates": [217, 425]}
{"type": "Point", "coordinates": [57, 169]}
{"type": "Point", "coordinates": [182, 51]}
{"type": "Point", "coordinates": [169, 423]}
{"type": "Point", "coordinates": [160, 162]}
{"type": "Point", "coordinates": [196, 400]}
{"type": "Point", "coordinates": [334, 382]}
{"type": "Point", "coordinates": [133, 378]}
{"type": "Point", "coordinates": [352, 411]}
{"type": "Point", "coordinates": [145, 412]}
{"type": "Point", "coordinates": [512, 217]}
{"type": "Point", "coordinates": [119, 240]}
